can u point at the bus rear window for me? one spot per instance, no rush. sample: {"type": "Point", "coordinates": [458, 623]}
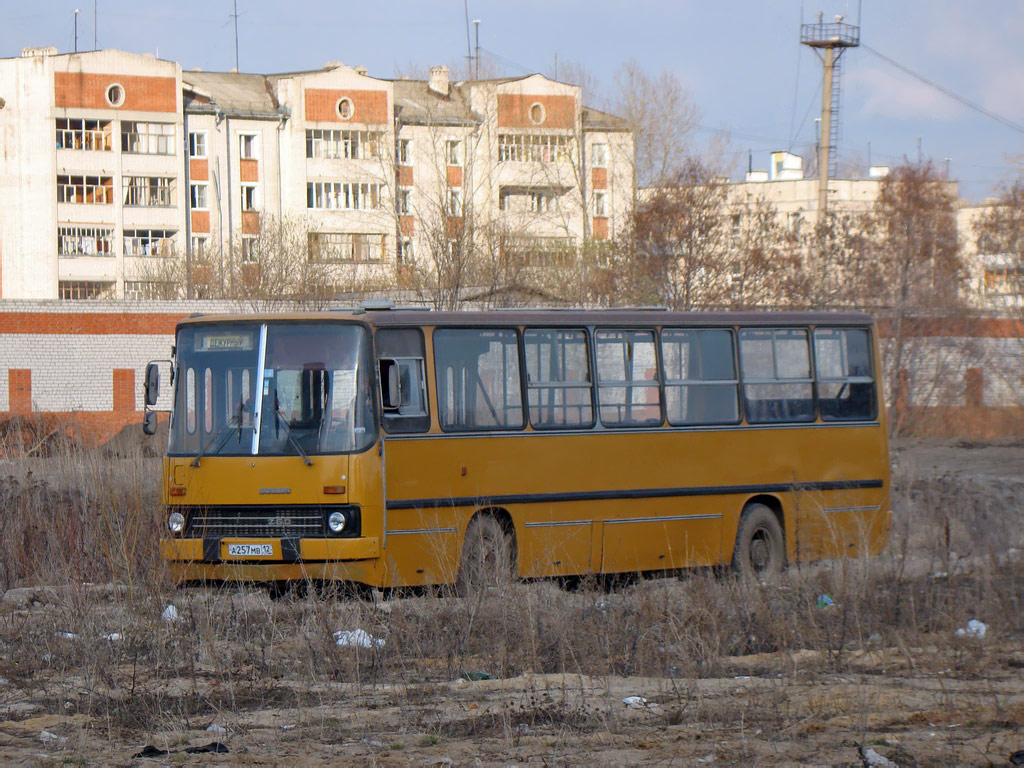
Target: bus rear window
{"type": "Point", "coordinates": [478, 384]}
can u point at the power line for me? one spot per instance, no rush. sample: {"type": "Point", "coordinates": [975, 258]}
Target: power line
{"type": "Point", "coordinates": [942, 89]}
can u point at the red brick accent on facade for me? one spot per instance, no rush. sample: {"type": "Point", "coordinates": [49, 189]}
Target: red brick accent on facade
{"type": "Point", "coordinates": [368, 106]}
{"type": "Point", "coordinates": [599, 178]}
{"type": "Point", "coordinates": [124, 390]}
{"type": "Point", "coordinates": [201, 222]}
{"type": "Point", "coordinates": [453, 226]}
{"type": "Point", "coordinates": [405, 175]}
{"type": "Point", "coordinates": [19, 390]}
{"type": "Point", "coordinates": [79, 90]}
{"type": "Point", "coordinates": [454, 176]}
{"type": "Point", "coordinates": [514, 111]}
{"type": "Point", "coordinates": [974, 387]}
{"type": "Point", "coordinates": [600, 228]}
{"type": "Point", "coordinates": [199, 169]}
{"type": "Point", "coordinates": [249, 170]}
{"type": "Point", "coordinates": [250, 222]}
{"type": "Point", "coordinates": [88, 322]}
{"type": "Point", "coordinates": [407, 226]}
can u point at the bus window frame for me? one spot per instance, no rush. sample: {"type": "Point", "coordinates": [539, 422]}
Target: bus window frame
{"type": "Point", "coordinates": [654, 330]}
{"type": "Point", "coordinates": [872, 365]}
{"type": "Point", "coordinates": [812, 371]}
{"type": "Point", "coordinates": [736, 382]}
{"type": "Point", "coordinates": [520, 359]}
{"type": "Point", "coordinates": [379, 402]}
{"type": "Point", "coordinates": [588, 340]}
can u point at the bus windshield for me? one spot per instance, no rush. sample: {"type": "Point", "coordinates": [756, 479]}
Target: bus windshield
{"type": "Point", "coordinates": [314, 396]}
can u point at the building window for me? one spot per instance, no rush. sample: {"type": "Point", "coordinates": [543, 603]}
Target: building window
{"type": "Point", "coordinates": [247, 146]}
{"type": "Point", "coordinates": [338, 145]}
{"type": "Point", "coordinates": [543, 202]}
{"type": "Point", "coordinates": [84, 241]}
{"type": "Point", "coordinates": [454, 201]}
{"type": "Point", "coordinates": [147, 138]}
{"type": "Point", "coordinates": [197, 144]}
{"type": "Point", "coordinates": [84, 134]}
{"type": "Point", "coordinates": [405, 253]}
{"type": "Point", "coordinates": [453, 152]}
{"type": "Point", "coordinates": [90, 190]}
{"type": "Point", "coordinates": [599, 155]}
{"type": "Point", "coordinates": [85, 289]}
{"type": "Point", "coordinates": [150, 290]}
{"type": "Point", "coordinates": [600, 203]}
{"type": "Point", "coordinates": [149, 191]}
{"type": "Point", "coordinates": [149, 242]}
{"type": "Point", "coordinates": [532, 148]}
{"type": "Point", "coordinates": [115, 95]}
{"type": "Point", "coordinates": [345, 108]}
{"type": "Point", "coordinates": [249, 255]}
{"type": "Point", "coordinates": [403, 200]}
{"type": "Point", "coordinates": [403, 151]}
{"type": "Point", "coordinates": [249, 197]}
{"type": "Point", "coordinates": [198, 196]}
{"type": "Point", "coordinates": [336, 195]}
{"type": "Point", "coordinates": [198, 245]}
{"type": "Point", "coordinates": [346, 247]}
{"type": "Point", "coordinates": [537, 114]}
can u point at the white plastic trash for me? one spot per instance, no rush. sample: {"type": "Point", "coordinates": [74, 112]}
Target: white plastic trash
{"type": "Point", "coordinates": [170, 614]}
{"type": "Point", "coordinates": [214, 728]}
{"type": "Point", "coordinates": [358, 638]}
{"type": "Point", "coordinates": [635, 702]}
{"type": "Point", "coordinates": [974, 628]}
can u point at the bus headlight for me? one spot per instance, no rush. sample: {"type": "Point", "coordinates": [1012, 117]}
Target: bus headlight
{"type": "Point", "coordinates": [176, 522]}
{"type": "Point", "coordinates": [336, 521]}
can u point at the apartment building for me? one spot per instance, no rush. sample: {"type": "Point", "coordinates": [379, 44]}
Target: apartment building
{"type": "Point", "coordinates": [114, 164]}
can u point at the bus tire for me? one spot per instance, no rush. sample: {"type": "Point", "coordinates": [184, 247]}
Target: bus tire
{"type": "Point", "coordinates": [760, 549]}
{"type": "Point", "coordinates": [486, 557]}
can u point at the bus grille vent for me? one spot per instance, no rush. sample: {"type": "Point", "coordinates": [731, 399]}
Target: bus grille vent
{"type": "Point", "coordinates": [280, 523]}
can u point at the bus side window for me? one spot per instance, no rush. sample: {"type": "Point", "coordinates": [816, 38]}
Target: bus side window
{"type": "Point", "coordinates": [777, 383]}
{"type": "Point", "coordinates": [400, 354]}
{"type": "Point", "coordinates": [846, 387]}
{"type": "Point", "coordinates": [627, 377]}
{"type": "Point", "coordinates": [558, 378]}
{"type": "Point", "coordinates": [700, 376]}
{"type": "Point", "coordinates": [483, 390]}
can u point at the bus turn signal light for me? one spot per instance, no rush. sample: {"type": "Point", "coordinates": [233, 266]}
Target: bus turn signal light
{"type": "Point", "coordinates": [334, 490]}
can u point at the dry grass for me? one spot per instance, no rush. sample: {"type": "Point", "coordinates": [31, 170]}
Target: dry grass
{"type": "Point", "coordinates": [746, 671]}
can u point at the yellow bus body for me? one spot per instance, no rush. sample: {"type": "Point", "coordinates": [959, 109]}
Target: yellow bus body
{"type": "Point", "coordinates": [590, 501]}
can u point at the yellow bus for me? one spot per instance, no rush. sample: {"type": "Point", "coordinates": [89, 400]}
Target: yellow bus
{"type": "Point", "coordinates": [390, 447]}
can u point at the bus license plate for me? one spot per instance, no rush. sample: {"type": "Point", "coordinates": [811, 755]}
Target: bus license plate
{"type": "Point", "coordinates": [250, 550]}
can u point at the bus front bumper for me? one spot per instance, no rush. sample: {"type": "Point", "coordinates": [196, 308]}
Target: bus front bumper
{"type": "Point", "coordinates": [289, 559]}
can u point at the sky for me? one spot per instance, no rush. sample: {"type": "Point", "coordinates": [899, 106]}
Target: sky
{"type": "Point", "coordinates": [740, 60]}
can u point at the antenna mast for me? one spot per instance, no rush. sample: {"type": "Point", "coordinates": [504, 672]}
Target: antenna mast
{"type": "Point", "coordinates": [235, 17]}
{"type": "Point", "coordinates": [829, 40]}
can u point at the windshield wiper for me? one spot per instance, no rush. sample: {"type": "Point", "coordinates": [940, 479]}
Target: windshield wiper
{"type": "Point", "coordinates": [291, 438]}
{"type": "Point", "coordinates": [220, 435]}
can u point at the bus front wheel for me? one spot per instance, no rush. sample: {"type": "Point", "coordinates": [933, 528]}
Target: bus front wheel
{"type": "Point", "coordinates": [486, 556]}
{"type": "Point", "coordinates": [760, 544]}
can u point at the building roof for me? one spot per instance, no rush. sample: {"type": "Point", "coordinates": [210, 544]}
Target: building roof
{"type": "Point", "coordinates": [415, 102]}
{"type": "Point", "coordinates": [235, 93]}
{"type": "Point", "coordinates": [596, 120]}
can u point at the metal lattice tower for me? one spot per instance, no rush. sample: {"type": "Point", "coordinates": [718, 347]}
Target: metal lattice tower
{"type": "Point", "coordinates": [829, 40]}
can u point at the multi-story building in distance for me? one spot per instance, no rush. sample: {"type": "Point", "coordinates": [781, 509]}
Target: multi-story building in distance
{"type": "Point", "coordinates": [112, 161]}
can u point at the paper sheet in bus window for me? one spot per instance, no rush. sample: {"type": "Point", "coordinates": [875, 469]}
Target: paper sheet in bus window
{"type": "Point", "coordinates": [228, 341]}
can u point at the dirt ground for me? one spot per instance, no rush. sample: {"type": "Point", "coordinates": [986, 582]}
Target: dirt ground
{"type": "Point", "coordinates": [70, 693]}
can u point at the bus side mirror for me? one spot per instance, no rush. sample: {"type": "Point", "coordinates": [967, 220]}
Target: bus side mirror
{"type": "Point", "coordinates": [390, 387]}
{"type": "Point", "coordinates": [152, 385]}
{"type": "Point", "coordinates": [149, 423]}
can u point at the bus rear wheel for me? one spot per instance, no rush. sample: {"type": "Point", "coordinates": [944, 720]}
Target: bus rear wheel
{"type": "Point", "coordinates": [760, 544]}
{"type": "Point", "coordinates": [487, 557]}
